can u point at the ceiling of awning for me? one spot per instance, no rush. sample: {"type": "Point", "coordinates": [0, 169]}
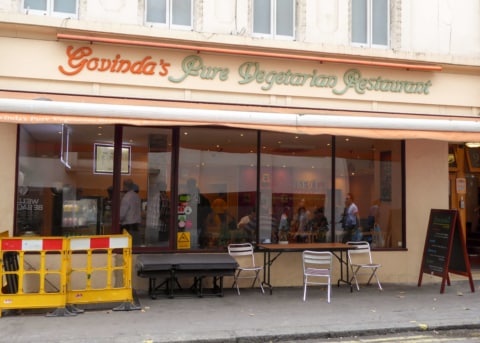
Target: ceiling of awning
{"type": "Point", "coordinates": [376, 125]}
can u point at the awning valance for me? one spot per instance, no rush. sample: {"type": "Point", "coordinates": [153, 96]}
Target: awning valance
{"type": "Point", "coordinates": [449, 129]}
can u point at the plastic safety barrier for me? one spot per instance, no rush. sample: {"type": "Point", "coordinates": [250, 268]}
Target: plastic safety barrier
{"type": "Point", "coordinates": [100, 271]}
{"type": "Point", "coordinates": [59, 273]}
{"type": "Point", "coordinates": [34, 273]}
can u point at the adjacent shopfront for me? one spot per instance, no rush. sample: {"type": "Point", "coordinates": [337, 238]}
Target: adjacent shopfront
{"type": "Point", "coordinates": [208, 136]}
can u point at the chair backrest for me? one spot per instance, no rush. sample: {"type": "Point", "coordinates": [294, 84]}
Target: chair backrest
{"type": "Point", "coordinates": [317, 259]}
{"type": "Point", "coordinates": [361, 254]}
{"type": "Point", "coordinates": [243, 253]}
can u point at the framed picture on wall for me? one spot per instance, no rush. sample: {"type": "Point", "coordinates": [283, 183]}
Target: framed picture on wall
{"type": "Point", "coordinates": [103, 159]}
{"type": "Point", "coordinates": [473, 159]}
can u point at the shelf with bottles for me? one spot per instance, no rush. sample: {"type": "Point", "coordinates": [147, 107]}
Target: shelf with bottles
{"type": "Point", "coordinates": [80, 213]}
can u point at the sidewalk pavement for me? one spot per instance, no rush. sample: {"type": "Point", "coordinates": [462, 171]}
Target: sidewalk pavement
{"type": "Point", "coordinates": [256, 317]}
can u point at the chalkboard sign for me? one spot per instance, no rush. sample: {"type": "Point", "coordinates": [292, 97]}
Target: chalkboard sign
{"type": "Point", "coordinates": [445, 249]}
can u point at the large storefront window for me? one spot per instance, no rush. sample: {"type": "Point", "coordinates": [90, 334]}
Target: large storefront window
{"type": "Point", "coordinates": [59, 190]}
{"type": "Point", "coordinates": [151, 155]}
{"type": "Point", "coordinates": [217, 182]}
{"type": "Point", "coordinates": [65, 181]}
{"type": "Point", "coordinates": [368, 172]}
{"type": "Point", "coordinates": [220, 186]}
{"type": "Point", "coordinates": [295, 186]}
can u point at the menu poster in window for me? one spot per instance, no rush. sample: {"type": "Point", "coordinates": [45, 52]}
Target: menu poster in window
{"type": "Point", "coordinates": [103, 159]}
{"type": "Point", "coordinates": [445, 249]}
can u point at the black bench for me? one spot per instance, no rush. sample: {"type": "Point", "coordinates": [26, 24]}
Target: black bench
{"type": "Point", "coordinates": [171, 267]}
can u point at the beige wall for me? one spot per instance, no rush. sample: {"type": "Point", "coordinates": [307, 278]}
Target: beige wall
{"type": "Point", "coordinates": [427, 187]}
{"type": "Point", "coordinates": [52, 55]}
{"type": "Point", "coordinates": [8, 151]}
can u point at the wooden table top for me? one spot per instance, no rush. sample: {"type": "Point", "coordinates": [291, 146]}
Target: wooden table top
{"type": "Point", "coordinates": [305, 246]}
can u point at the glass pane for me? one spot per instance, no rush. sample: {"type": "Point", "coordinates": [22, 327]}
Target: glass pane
{"type": "Point", "coordinates": [380, 22]}
{"type": "Point", "coordinates": [151, 153]}
{"type": "Point", "coordinates": [182, 12]}
{"type": "Point", "coordinates": [285, 17]}
{"type": "Point", "coordinates": [359, 21]}
{"type": "Point", "coordinates": [262, 16]}
{"type": "Point", "coordinates": [157, 11]}
{"type": "Point", "coordinates": [217, 187]}
{"type": "Point", "coordinates": [40, 5]}
{"type": "Point", "coordinates": [295, 188]}
{"type": "Point", "coordinates": [58, 191]}
{"type": "Point", "coordinates": [65, 6]}
{"type": "Point", "coordinates": [369, 175]}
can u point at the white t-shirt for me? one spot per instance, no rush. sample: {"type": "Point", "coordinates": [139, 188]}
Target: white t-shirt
{"type": "Point", "coordinates": [243, 221]}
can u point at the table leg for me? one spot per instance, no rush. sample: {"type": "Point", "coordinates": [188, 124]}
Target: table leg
{"type": "Point", "coordinates": [218, 288]}
{"type": "Point", "coordinates": [266, 270]}
{"type": "Point", "coordinates": [198, 286]}
{"type": "Point", "coordinates": [151, 287]}
{"type": "Point", "coordinates": [170, 284]}
{"type": "Point", "coordinates": [343, 266]}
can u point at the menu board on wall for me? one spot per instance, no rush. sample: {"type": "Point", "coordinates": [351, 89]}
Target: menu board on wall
{"type": "Point", "coordinates": [445, 249]}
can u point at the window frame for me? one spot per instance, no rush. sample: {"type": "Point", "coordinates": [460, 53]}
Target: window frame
{"type": "Point", "coordinates": [273, 23]}
{"type": "Point", "coordinates": [370, 23]}
{"type": "Point", "coordinates": [278, 170]}
{"type": "Point", "coordinates": [49, 10]}
{"type": "Point", "coordinates": [168, 17]}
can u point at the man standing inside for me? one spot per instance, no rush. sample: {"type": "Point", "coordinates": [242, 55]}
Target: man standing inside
{"type": "Point", "coordinates": [130, 210]}
{"type": "Point", "coordinates": [248, 223]}
{"type": "Point", "coordinates": [351, 219]}
{"type": "Point", "coordinates": [200, 207]}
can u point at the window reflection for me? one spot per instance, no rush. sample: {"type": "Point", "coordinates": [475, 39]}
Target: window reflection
{"type": "Point", "coordinates": [223, 195]}
{"type": "Point", "coordinates": [151, 150]}
{"type": "Point", "coordinates": [295, 188]}
{"type": "Point", "coordinates": [217, 185]}
{"type": "Point", "coordinates": [371, 171]}
{"type": "Point", "coordinates": [59, 194]}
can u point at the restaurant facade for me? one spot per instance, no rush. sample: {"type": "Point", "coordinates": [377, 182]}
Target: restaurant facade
{"type": "Point", "coordinates": [211, 129]}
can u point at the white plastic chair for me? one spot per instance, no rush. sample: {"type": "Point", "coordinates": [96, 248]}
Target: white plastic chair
{"type": "Point", "coordinates": [247, 268]}
{"type": "Point", "coordinates": [360, 260]}
{"type": "Point", "coordinates": [317, 270]}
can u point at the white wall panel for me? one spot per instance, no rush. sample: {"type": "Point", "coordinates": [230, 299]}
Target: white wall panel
{"type": "Point", "coordinates": [111, 11]}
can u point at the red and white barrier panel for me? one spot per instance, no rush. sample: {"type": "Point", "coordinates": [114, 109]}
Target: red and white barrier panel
{"type": "Point", "coordinates": [98, 243]}
{"type": "Point", "coordinates": [32, 244]}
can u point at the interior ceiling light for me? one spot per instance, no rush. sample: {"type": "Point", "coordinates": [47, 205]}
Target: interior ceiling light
{"type": "Point", "coordinates": [473, 144]}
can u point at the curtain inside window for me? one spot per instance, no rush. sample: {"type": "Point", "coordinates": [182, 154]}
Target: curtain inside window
{"type": "Point", "coordinates": [380, 22]}
{"type": "Point", "coordinates": [359, 21]}
{"type": "Point", "coordinates": [262, 16]}
{"type": "Point", "coordinates": [181, 12]}
{"type": "Point", "coordinates": [157, 11]}
{"type": "Point", "coordinates": [284, 17]}
{"type": "Point", "coordinates": [65, 6]}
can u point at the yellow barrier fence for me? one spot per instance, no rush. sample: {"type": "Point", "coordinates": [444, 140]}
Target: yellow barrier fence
{"type": "Point", "coordinates": [100, 271]}
{"type": "Point", "coordinates": [59, 273]}
{"type": "Point", "coordinates": [34, 269]}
